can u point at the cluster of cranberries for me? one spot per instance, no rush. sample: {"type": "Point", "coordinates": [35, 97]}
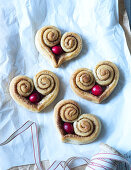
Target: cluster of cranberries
{"type": "Point", "coordinates": [57, 50]}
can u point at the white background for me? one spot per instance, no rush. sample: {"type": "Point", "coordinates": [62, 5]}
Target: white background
{"type": "Point", "coordinates": [103, 39]}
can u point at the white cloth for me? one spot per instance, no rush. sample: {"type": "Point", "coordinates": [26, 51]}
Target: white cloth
{"type": "Point", "coordinates": [103, 39]}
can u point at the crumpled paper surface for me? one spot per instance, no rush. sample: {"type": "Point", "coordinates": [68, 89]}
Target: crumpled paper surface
{"type": "Point", "coordinates": [103, 39]}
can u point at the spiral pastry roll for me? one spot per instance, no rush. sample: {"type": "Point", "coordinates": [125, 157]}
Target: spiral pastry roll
{"type": "Point", "coordinates": [44, 82]}
{"type": "Point", "coordinates": [85, 79]}
{"type": "Point", "coordinates": [87, 125]}
{"type": "Point", "coordinates": [51, 36]}
{"type": "Point", "coordinates": [105, 72]}
{"type": "Point", "coordinates": [68, 110]}
{"type": "Point", "coordinates": [23, 85]}
{"type": "Point", "coordinates": [70, 42]}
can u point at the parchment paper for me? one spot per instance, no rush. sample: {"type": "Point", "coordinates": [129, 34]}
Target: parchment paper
{"type": "Point", "coordinates": [103, 39]}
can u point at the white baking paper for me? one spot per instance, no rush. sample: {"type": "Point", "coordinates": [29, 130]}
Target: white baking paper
{"type": "Point", "coordinates": [103, 39]}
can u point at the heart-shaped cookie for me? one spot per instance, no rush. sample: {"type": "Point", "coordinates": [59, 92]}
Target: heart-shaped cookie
{"type": "Point", "coordinates": [95, 87]}
{"type": "Point", "coordinates": [50, 36]}
{"type": "Point", "coordinates": [74, 127]}
{"type": "Point", "coordinates": [35, 94]}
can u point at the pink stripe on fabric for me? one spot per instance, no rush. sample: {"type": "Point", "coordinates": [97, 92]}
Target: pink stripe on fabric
{"type": "Point", "coordinates": [34, 135]}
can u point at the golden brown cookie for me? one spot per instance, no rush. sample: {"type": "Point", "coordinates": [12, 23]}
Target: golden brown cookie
{"type": "Point", "coordinates": [50, 36]}
{"type": "Point", "coordinates": [105, 78]}
{"type": "Point", "coordinates": [45, 85]}
{"type": "Point", "coordinates": [84, 128]}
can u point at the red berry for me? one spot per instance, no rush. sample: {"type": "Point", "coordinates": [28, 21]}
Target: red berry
{"type": "Point", "coordinates": [34, 97]}
{"type": "Point", "coordinates": [68, 128]}
{"type": "Point", "coordinates": [57, 50]}
{"type": "Point", "coordinates": [97, 90]}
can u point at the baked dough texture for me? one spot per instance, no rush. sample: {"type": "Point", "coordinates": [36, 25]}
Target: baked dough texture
{"type": "Point", "coordinates": [87, 127]}
{"type": "Point", "coordinates": [49, 36]}
{"type": "Point", "coordinates": [105, 74]}
{"type": "Point", "coordinates": [45, 82]}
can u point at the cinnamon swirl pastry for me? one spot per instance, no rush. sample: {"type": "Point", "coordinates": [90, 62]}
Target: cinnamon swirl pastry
{"type": "Point", "coordinates": [44, 82]}
{"type": "Point", "coordinates": [35, 95]}
{"type": "Point", "coordinates": [24, 86]}
{"type": "Point", "coordinates": [74, 127]}
{"type": "Point", "coordinates": [68, 110]}
{"type": "Point", "coordinates": [87, 125]}
{"type": "Point", "coordinates": [48, 40]}
{"type": "Point", "coordinates": [105, 72]}
{"type": "Point", "coordinates": [85, 79]}
{"type": "Point", "coordinates": [95, 87]}
{"type": "Point", "coordinates": [51, 36]}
